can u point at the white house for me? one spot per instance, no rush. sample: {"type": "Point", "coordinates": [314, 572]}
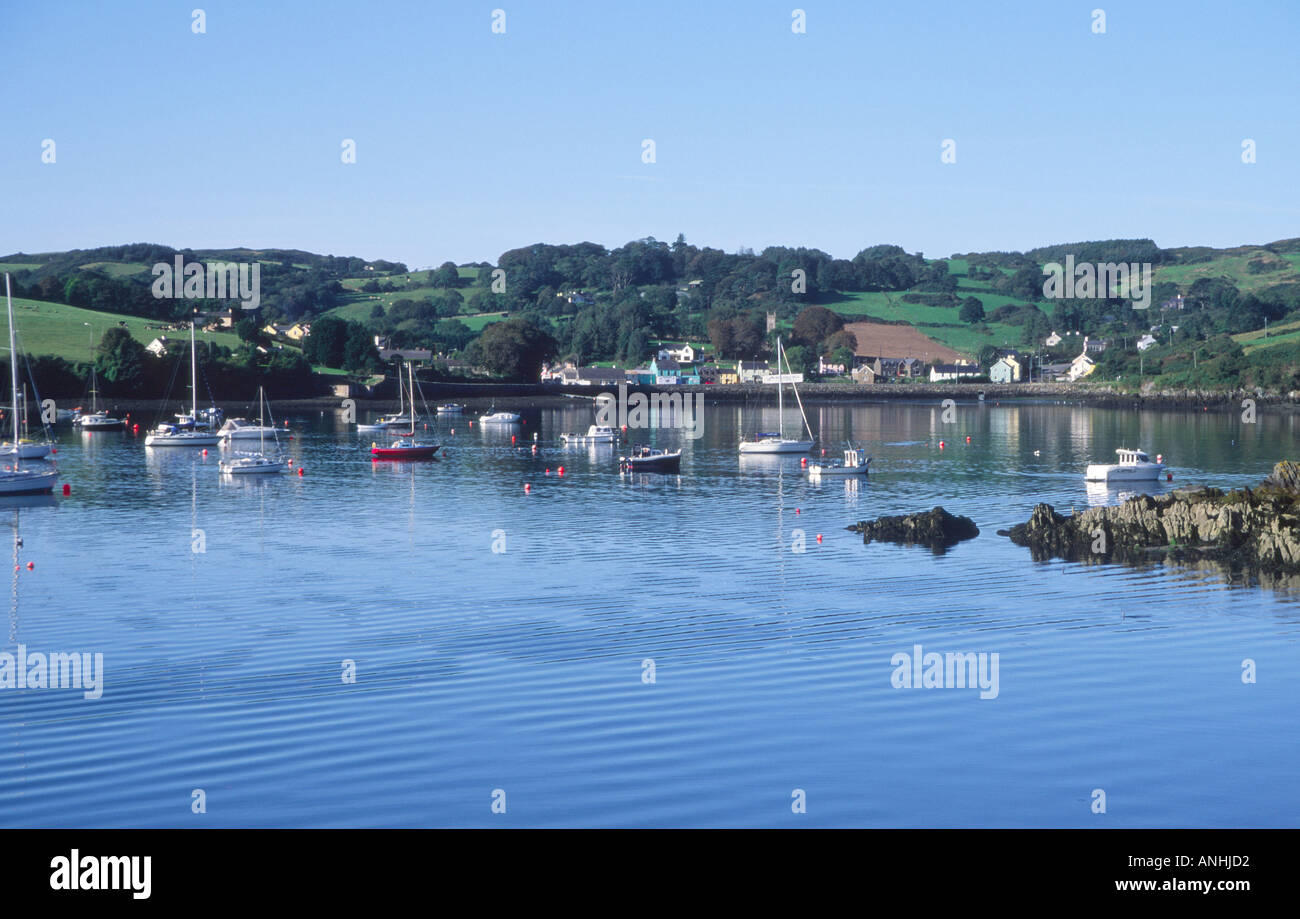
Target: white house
{"type": "Point", "coordinates": [940, 373]}
{"type": "Point", "coordinates": [1052, 340]}
{"type": "Point", "coordinates": [1006, 370]}
{"type": "Point", "coordinates": [1080, 367]}
{"type": "Point", "coordinates": [157, 347]}
{"type": "Point", "coordinates": [1146, 341]}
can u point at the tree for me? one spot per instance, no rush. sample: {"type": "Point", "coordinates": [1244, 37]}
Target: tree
{"type": "Point", "coordinates": [972, 310]}
{"type": "Point", "coordinates": [516, 348]}
{"type": "Point", "coordinates": [249, 330]}
{"type": "Point", "coordinates": [121, 360]}
{"type": "Point", "coordinates": [815, 324]}
{"type": "Point", "coordinates": [446, 275]}
{"type": "Point", "coordinates": [359, 352]}
{"type": "Point", "coordinates": [326, 342]}
{"type": "Point", "coordinates": [801, 359]}
{"type": "Point", "coordinates": [843, 340]}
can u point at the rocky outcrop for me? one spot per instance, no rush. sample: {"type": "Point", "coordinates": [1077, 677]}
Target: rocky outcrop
{"type": "Point", "coordinates": [1246, 530]}
{"type": "Point", "coordinates": [936, 528]}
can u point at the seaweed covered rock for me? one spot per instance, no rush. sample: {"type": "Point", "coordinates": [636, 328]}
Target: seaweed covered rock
{"type": "Point", "coordinates": [1256, 530]}
{"type": "Point", "coordinates": [935, 528]}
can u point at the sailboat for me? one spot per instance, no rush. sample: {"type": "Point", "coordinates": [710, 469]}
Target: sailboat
{"type": "Point", "coordinates": [14, 480]}
{"type": "Point", "coordinates": [259, 463]}
{"type": "Point", "coordinates": [97, 420]}
{"type": "Point", "coordinates": [406, 447]}
{"type": "Point", "coordinates": [778, 442]}
{"type": "Point", "coordinates": [26, 447]}
{"type": "Point", "coordinates": [403, 418]}
{"type": "Point", "coordinates": [188, 432]}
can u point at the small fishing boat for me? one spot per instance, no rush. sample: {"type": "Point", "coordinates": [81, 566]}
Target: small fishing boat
{"type": "Point", "coordinates": [1133, 466]}
{"type": "Point", "coordinates": [451, 408]}
{"type": "Point", "coordinates": [499, 418]}
{"type": "Point", "coordinates": [645, 459]}
{"type": "Point", "coordinates": [596, 434]}
{"type": "Point", "coordinates": [852, 464]}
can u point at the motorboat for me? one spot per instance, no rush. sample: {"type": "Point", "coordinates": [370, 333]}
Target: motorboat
{"type": "Point", "coordinates": [596, 434]}
{"type": "Point", "coordinates": [852, 464]}
{"type": "Point", "coordinates": [1133, 466]}
{"type": "Point", "coordinates": [646, 459]}
{"type": "Point", "coordinates": [243, 429]}
{"type": "Point", "coordinates": [777, 442]}
{"type": "Point", "coordinates": [451, 408]}
{"type": "Point", "coordinates": [499, 418]}
{"type": "Point", "coordinates": [188, 430]}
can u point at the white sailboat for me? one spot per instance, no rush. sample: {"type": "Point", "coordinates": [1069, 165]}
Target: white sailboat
{"type": "Point", "coordinates": [173, 435]}
{"type": "Point", "coordinates": [778, 442]}
{"type": "Point", "coordinates": [97, 420]}
{"type": "Point", "coordinates": [259, 463]}
{"type": "Point", "coordinates": [26, 447]}
{"type": "Point", "coordinates": [14, 480]}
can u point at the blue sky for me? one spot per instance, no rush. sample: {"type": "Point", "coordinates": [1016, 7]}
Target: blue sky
{"type": "Point", "coordinates": [470, 143]}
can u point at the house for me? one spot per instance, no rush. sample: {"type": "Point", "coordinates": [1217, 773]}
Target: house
{"type": "Point", "coordinates": [752, 371]}
{"type": "Point", "coordinates": [1052, 340]}
{"type": "Point", "coordinates": [594, 376]}
{"type": "Point", "coordinates": [1175, 303]}
{"type": "Point", "coordinates": [1094, 345]}
{"type": "Point", "coordinates": [943, 373]}
{"type": "Point", "coordinates": [1080, 367]}
{"type": "Point", "coordinates": [864, 373]}
{"type": "Point", "coordinates": [298, 331]}
{"type": "Point", "coordinates": [157, 347]}
{"type": "Point", "coordinates": [726, 376]}
{"type": "Point", "coordinates": [827, 368]}
{"type": "Point", "coordinates": [708, 373]}
{"type": "Point", "coordinates": [1146, 341]}
{"type": "Point", "coordinates": [274, 330]}
{"type": "Point", "coordinates": [1006, 369]}
{"type": "Point", "coordinates": [342, 390]}
{"type": "Point", "coordinates": [666, 371]}
{"type": "Point", "coordinates": [898, 367]}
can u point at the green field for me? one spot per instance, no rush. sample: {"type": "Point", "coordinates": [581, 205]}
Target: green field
{"type": "Point", "coordinates": [1281, 334]}
{"type": "Point", "coordinates": [1236, 268]}
{"type": "Point", "coordinates": [118, 269]}
{"type": "Point", "coordinates": [53, 328]}
{"type": "Point", "coordinates": [937, 322]}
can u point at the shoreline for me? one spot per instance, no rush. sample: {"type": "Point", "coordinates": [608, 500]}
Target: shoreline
{"type": "Point", "coordinates": [550, 394]}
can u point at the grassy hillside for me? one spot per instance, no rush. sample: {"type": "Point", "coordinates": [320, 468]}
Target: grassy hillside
{"type": "Point", "coordinates": [53, 328]}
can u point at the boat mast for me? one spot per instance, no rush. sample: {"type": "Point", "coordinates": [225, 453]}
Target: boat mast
{"type": "Point", "coordinates": [780, 390]}
{"type": "Point", "coordinates": [13, 367]}
{"type": "Point", "coordinates": [194, 380]}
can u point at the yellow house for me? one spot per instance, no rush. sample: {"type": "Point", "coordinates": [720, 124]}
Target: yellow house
{"type": "Point", "coordinates": [298, 331]}
{"type": "Point", "coordinates": [728, 376]}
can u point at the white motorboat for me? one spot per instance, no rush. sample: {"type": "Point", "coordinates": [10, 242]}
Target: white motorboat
{"type": "Point", "coordinates": [188, 431]}
{"type": "Point", "coordinates": [777, 442]}
{"type": "Point", "coordinates": [243, 429]}
{"type": "Point", "coordinates": [1133, 466]}
{"type": "Point", "coordinates": [451, 408]}
{"type": "Point", "coordinates": [499, 418]}
{"type": "Point", "coordinates": [14, 480]}
{"type": "Point", "coordinates": [596, 434]}
{"type": "Point", "coordinates": [248, 463]}
{"type": "Point", "coordinates": [852, 464]}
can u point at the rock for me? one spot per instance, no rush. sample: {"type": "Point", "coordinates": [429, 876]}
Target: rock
{"type": "Point", "coordinates": [935, 528]}
{"type": "Point", "coordinates": [1248, 531]}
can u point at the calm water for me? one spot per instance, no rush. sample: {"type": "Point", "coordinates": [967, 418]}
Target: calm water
{"type": "Point", "coordinates": [522, 670]}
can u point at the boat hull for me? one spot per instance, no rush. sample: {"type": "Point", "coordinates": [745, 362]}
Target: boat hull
{"type": "Point", "coordinates": [182, 440]}
{"type": "Point", "coordinates": [28, 482]}
{"type": "Point", "coordinates": [27, 451]}
{"type": "Point", "coordinates": [1114, 473]}
{"type": "Point", "coordinates": [817, 472]}
{"type": "Point", "coordinates": [405, 453]}
{"type": "Point", "coordinates": [776, 446]}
